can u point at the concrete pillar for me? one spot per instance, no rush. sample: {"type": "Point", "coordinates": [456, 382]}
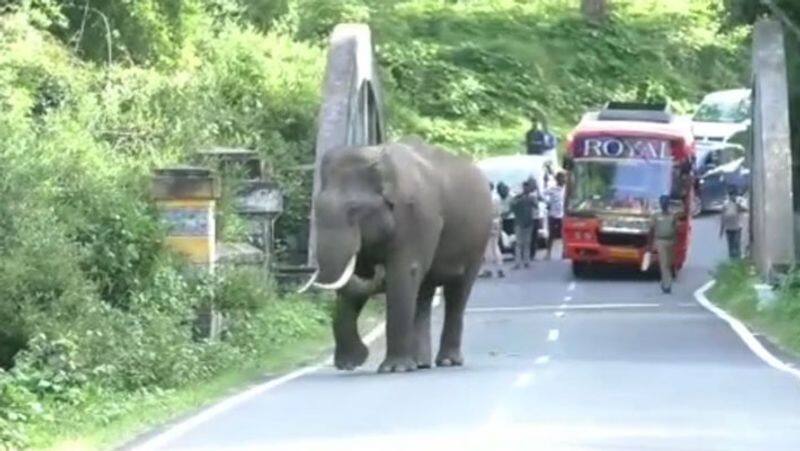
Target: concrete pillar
{"type": "Point", "coordinates": [186, 199]}
{"type": "Point", "coordinates": [772, 215]}
{"type": "Point", "coordinates": [352, 108]}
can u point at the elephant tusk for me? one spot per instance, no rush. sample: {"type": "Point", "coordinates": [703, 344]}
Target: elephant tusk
{"type": "Point", "coordinates": [346, 275]}
{"type": "Point", "coordinates": [308, 284]}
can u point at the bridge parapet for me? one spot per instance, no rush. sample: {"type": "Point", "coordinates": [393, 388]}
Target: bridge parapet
{"type": "Point", "coordinates": [352, 101]}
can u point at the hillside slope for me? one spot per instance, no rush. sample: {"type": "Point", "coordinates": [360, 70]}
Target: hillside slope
{"type": "Point", "coordinates": [469, 74]}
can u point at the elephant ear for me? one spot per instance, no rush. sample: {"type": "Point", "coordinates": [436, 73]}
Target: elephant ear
{"type": "Point", "coordinates": [388, 177]}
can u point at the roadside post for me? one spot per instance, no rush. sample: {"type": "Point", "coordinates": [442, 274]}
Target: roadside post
{"type": "Point", "coordinates": [186, 200]}
{"type": "Point", "coordinates": [257, 199]}
{"type": "Point", "coordinates": [262, 202]}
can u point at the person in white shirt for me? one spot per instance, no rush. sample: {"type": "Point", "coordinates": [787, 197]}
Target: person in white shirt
{"type": "Point", "coordinates": [730, 223]}
{"type": "Point", "coordinates": [493, 258]}
{"type": "Point", "coordinates": [554, 196]}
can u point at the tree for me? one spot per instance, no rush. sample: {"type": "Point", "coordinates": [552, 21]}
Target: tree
{"type": "Point", "coordinates": [747, 11]}
{"type": "Point", "coordinates": [594, 10]}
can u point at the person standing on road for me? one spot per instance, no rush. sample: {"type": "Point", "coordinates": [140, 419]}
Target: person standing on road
{"type": "Point", "coordinates": [539, 216]}
{"type": "Point", "coordinates": [506, 218]}
{"type": "Point", "coordinates": [538, 140]}
{"type": "Point", "coordinates": [493, 258]}
{"type": "Point", "coordinates": [524, 206]}
{"type": "Point", "coordinates": [555, 211]}
{"type": "Point", "coordinates": [663, 230]}
{"type": "Point", "coordinates": [730, 223]}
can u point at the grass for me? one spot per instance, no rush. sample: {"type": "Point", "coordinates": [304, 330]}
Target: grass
{"type": "Point", "coordinates": [142, 412]}
{"type": "Point", "coordinates": [779, 323]}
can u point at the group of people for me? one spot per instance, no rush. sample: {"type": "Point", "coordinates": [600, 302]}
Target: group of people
{"type": "Point", "coordinates": [523, 210]}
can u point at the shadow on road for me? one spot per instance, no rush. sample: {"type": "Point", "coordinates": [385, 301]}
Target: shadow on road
{"type": "Point", "coordinates": [618, 273]}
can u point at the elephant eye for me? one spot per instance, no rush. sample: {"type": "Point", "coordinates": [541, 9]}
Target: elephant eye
{"type": "Point", "coordinates": [389, 203]}
{"type": "Point", "coordinates": [352, 211]}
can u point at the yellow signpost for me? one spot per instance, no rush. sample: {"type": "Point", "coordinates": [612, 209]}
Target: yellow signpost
{"type": "Point", "coordinates": [186, 199]}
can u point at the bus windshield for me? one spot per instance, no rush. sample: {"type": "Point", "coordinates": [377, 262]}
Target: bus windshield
{"type": "Point", "coordinates": [631, 186]}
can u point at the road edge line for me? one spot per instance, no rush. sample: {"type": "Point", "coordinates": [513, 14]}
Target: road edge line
{"type": "Point", "coordinates": [743, 332]}
{"type": "Point", "coordinates": [182, 428]}
{"type": "Point", "coordinates": [161, 440]}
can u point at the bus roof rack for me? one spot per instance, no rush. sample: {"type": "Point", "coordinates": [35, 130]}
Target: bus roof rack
{"type": "Point", "coordinates": [633, 111]}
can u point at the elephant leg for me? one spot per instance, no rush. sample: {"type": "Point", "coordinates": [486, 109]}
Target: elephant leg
{"type": "Point", "coordinates": [402, 288]}
{"type": "Point", "coordinates": [456, 294]}
{"type": "Point", "coordinates": [350, 350]}
{"type": "Point", "coordinates": [422, 326]}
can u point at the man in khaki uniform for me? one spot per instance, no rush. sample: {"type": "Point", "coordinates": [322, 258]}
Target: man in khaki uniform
{"type": "Point", "coordinates": [663, 229]}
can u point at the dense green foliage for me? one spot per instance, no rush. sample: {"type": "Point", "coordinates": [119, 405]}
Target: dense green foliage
{"type": "Point", "coordinates": [747, 11]}
{"type": "Point", "coordinates": [95, 94]}
{"type": "Point", "coordinates": [471, 74]}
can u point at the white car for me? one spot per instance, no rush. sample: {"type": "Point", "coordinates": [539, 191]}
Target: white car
{"type": "Point", "coordinates": [513, 170]}
{"type": "Point", "coordinates": [720, 116]}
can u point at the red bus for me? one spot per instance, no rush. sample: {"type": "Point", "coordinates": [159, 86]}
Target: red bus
{"type": "Point", "coordinates": [620, 161]}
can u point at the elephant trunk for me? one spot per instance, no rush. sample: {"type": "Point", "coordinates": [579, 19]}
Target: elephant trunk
{"type": "Point", "coordinates": [361, 287]}
{"type": "Point", "coordinates": [343, 279]}
{"type": "Point", "coordinates": [337, 254]}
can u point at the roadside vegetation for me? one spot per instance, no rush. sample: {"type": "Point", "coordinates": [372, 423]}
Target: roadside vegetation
{"type": "Point", "coordinates": [97, 318]}
{"type": "Point", "coordinates": [779, 321]}
{"type": "Point", "coordinates": [734, 289]}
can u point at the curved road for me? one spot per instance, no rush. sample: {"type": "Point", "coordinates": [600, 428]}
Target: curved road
{"type": "Point", "coordinates": [551, 363]}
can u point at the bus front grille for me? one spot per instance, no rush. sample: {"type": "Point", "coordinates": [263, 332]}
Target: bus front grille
{"type": "Point", "coordinates": [619, 239]}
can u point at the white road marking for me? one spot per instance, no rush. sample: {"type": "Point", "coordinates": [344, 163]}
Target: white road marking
{"type": "Point", "coordinates": [571, 286]}
{"type": "Point", "coordinates": [523, 380]}
{"type": "Point", "coordinates": [552, 335]}
{"type": "Point", "coordinates": [162, 440]}
{"type": "Point", "coordinates": [744, 333]}
{"type": "Point", "coordinates": [567, 298]}
{"type": "Point", "coordinates": [546, 308]}
{"type": "Point", "coordinates": [559, 313]}
{"type": "Point", "coordinates": [371, 336]}
{"type": "Point", "coordinates": [542, 360]}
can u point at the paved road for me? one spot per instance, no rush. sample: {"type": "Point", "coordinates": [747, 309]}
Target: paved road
{"type": "Point", "coordinates": [552, 364]}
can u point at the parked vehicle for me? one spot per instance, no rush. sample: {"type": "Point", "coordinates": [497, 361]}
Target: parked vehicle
{"type": "Point", "coordinates": [621, 161]}
{"type": "Point", "coordinates": [718, 169]}
{"type": "Point", "coordinates": [513, 170]}
{"type": "Point", "coordinates": [721, 116]}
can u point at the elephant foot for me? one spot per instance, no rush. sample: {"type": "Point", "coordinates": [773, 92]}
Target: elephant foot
{"type": "Point", "coordinates": [449, 358]}
{"type": "Point", "coordinates": [397, 365]}
{"type": "Point", "coordinates": [350, 359]}
{"type": "Point", "coordinates": [424, 361]}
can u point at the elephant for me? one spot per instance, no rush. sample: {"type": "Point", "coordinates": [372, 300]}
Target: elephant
{"type": "Point", "coordinates": [403, 219]}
